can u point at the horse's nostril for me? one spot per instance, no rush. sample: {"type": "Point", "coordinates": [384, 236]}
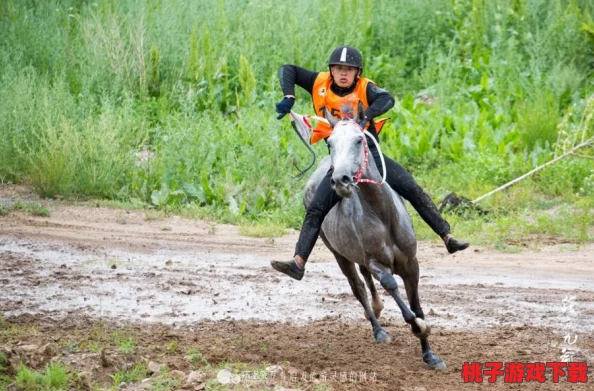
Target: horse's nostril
{"type": "Point", "coordinates": [345, 180]}
{"type": "Point", "coordinates": [332, 182]}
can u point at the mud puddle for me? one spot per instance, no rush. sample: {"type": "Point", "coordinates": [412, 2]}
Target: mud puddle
{"type": "Point", "coordinates": [206, 287]}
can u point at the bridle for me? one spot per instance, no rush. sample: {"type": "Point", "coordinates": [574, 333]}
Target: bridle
{"type": "Point", "coordinates": [359, 174]}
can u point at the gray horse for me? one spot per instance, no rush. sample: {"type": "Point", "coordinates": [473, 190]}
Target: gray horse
{"type": "Point", "coordinates": [370, 227]}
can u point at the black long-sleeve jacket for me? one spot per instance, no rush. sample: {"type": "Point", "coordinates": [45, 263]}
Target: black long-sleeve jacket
{"type": "Point", "coordinates": [380, 100]}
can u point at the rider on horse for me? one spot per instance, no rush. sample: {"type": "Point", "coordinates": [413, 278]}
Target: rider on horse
{"type": "Point", "coordinates": [341, 89]}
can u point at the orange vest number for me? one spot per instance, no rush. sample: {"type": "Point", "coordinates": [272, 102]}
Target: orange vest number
{"type": "Point", "coordinates": [324, 98]}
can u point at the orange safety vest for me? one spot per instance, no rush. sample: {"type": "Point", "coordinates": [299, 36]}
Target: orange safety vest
{"type": "Point", "coordinates": [324, 98]}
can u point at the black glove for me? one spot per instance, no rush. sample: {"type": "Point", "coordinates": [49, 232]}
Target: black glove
{"type": "Point", "coordinates": [284, 107]}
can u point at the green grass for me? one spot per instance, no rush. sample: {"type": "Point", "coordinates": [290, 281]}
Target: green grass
{"type": "Point", "coordinates": [517, 218]}
{"type": "Point", "coordinates": [95, 347]}
{"type": "Point", "coordinates": [164, 382]}
{"type": "Point", "coordinates": [33, 208]}
{"type": "Point", "coordinates": [4, 209]}
{"type": "Point", "coordinates": [5, 380]}
{"type": "Point", "coordinates": [70, 347]}
{"type": "Point", "coordinates": [196, 357]}
{"type": "Point", "coordinates": [262, 230]}
{"type": "Point", "coordinates": [125, 345]}
{"type": "Point", "coordinates": [170, 106]}
{"type": "Point", "coordinates": [137, 373]}
{"type": "Point", "coordinates": [54, 378]}
{"type": "Point", "coordinates": [9, 332]}
{"type": "Point", "coordinates": [172, 346]}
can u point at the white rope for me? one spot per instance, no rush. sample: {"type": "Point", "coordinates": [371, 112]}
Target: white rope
{"type": "Point", "coordinates": [508, 184]}
{"type": "Point", "coordinates": [380, 153]}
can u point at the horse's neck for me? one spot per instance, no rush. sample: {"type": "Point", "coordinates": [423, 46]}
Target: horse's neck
{"type": "Point", "coordinates": [379, 197]}
{"type": "Point", "coordinates": [373, 192]}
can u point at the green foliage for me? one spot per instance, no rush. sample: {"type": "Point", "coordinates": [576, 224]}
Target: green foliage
{"type": "Point", "coordinates": [171, 104]}
{"type": "Point", "coordinates": [8, 332]}
{"type": "Point", "coordinates": [4, 209]}
{"type": "Point", "coordinates": [537, 121]}
{"type": "Point", "coordinates": [172, 346]}
{"type": "Point", "coordinates": [164, 382]}
{"type": "Point", "coordinates": [155, 59]}
{"type": "Point", "coordinates": [4, 378]}
{"type": "Point", "coordinates": [247, 81]}
{"type": "Point", "coordinates": [262, 230]}
{"type": "Point", "coordinates": [54, 378]}
{"type": "Point", "coordinates": [196, 357]}
{"type": "Point", "coordinates": [137, 373]}
{"type": "Point", "coordinates": [124, 343]}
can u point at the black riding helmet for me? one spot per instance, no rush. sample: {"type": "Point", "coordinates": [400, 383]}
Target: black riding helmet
{"type": "Point", "coordinates": [346, 55]}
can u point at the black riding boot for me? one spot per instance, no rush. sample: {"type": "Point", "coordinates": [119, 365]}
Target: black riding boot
{"type": "Point", "coordinates": [323, 201]}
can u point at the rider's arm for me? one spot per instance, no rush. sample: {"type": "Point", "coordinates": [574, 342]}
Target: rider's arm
{"type": "Point", "coordinates": [291, 75]}
{"type": "Point", "coordinates": [380, 101]}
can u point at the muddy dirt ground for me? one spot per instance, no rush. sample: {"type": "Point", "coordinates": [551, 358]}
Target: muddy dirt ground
{"type": "Point", "coordinates": [199, 298]}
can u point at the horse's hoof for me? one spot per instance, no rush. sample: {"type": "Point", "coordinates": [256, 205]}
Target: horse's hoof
{"type": "Point", "coordinates": [437, 364]}
{"type": "Point", "coordinates": [424, 329]}
{"type": "Point", "coordinates": [382, 337]}
{"type": "Point", "coordinates": [433, 361]}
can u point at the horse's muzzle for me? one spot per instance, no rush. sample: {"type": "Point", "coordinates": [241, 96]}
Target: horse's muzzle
{"type": "Point", "coordinates": [342, 185]}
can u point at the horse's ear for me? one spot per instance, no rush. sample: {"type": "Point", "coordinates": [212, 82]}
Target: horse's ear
{"type": "Point", "coordinates": [331, 120]}
{"type": "Point", "coordinates": [360, 112]}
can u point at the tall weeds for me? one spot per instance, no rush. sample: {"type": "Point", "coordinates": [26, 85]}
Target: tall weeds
{"type": "Point", "coordinates": [86, 86]}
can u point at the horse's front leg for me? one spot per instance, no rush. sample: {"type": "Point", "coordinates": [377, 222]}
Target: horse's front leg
{"type": "Point", "coordinates": [376, 302]}
{"type": "Point", "coordinates": [350, 271]}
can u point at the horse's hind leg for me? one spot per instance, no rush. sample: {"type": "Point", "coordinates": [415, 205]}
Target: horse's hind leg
{"type": "Point", "coordinates": [376, 303]}
{"type": "Point", "coordinates": [350, 271]}
{"type": "Point", "coordinates": [411, 284]}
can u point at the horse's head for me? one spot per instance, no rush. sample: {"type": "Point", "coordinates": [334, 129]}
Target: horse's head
{"type": "Point", "coordinates": [347, 151]}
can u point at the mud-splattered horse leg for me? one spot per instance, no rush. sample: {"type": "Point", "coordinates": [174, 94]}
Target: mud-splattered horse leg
{"type": "Point", "coordinates": [350, 271]}
{"type": "Point", "coordinates": [419, 328]}
{"type": "Point", "coordinates": [411, 284]}
{"type": "Point", "coordinates": [376, 303]}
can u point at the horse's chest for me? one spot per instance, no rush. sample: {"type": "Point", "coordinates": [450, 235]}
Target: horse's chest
{"type": "Point", "coordinates": [356, 233]}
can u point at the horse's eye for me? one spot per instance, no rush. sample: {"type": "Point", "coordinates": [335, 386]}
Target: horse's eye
{"type": "Point", "coordinates": [359, 141]}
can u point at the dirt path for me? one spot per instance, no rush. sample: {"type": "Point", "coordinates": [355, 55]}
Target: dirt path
{"type": "Point", "coordinates": [212, 285]}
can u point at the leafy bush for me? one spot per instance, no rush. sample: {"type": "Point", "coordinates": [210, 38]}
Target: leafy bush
{"type": "Point", "coordinates": [172, 103]}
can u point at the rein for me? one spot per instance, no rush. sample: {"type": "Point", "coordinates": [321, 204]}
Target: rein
{"type": "Point", "coordinates": [359, 174]}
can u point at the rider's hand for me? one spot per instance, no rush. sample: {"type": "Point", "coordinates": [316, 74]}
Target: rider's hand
{"type": "Point", "coordinates": [284, 106]}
